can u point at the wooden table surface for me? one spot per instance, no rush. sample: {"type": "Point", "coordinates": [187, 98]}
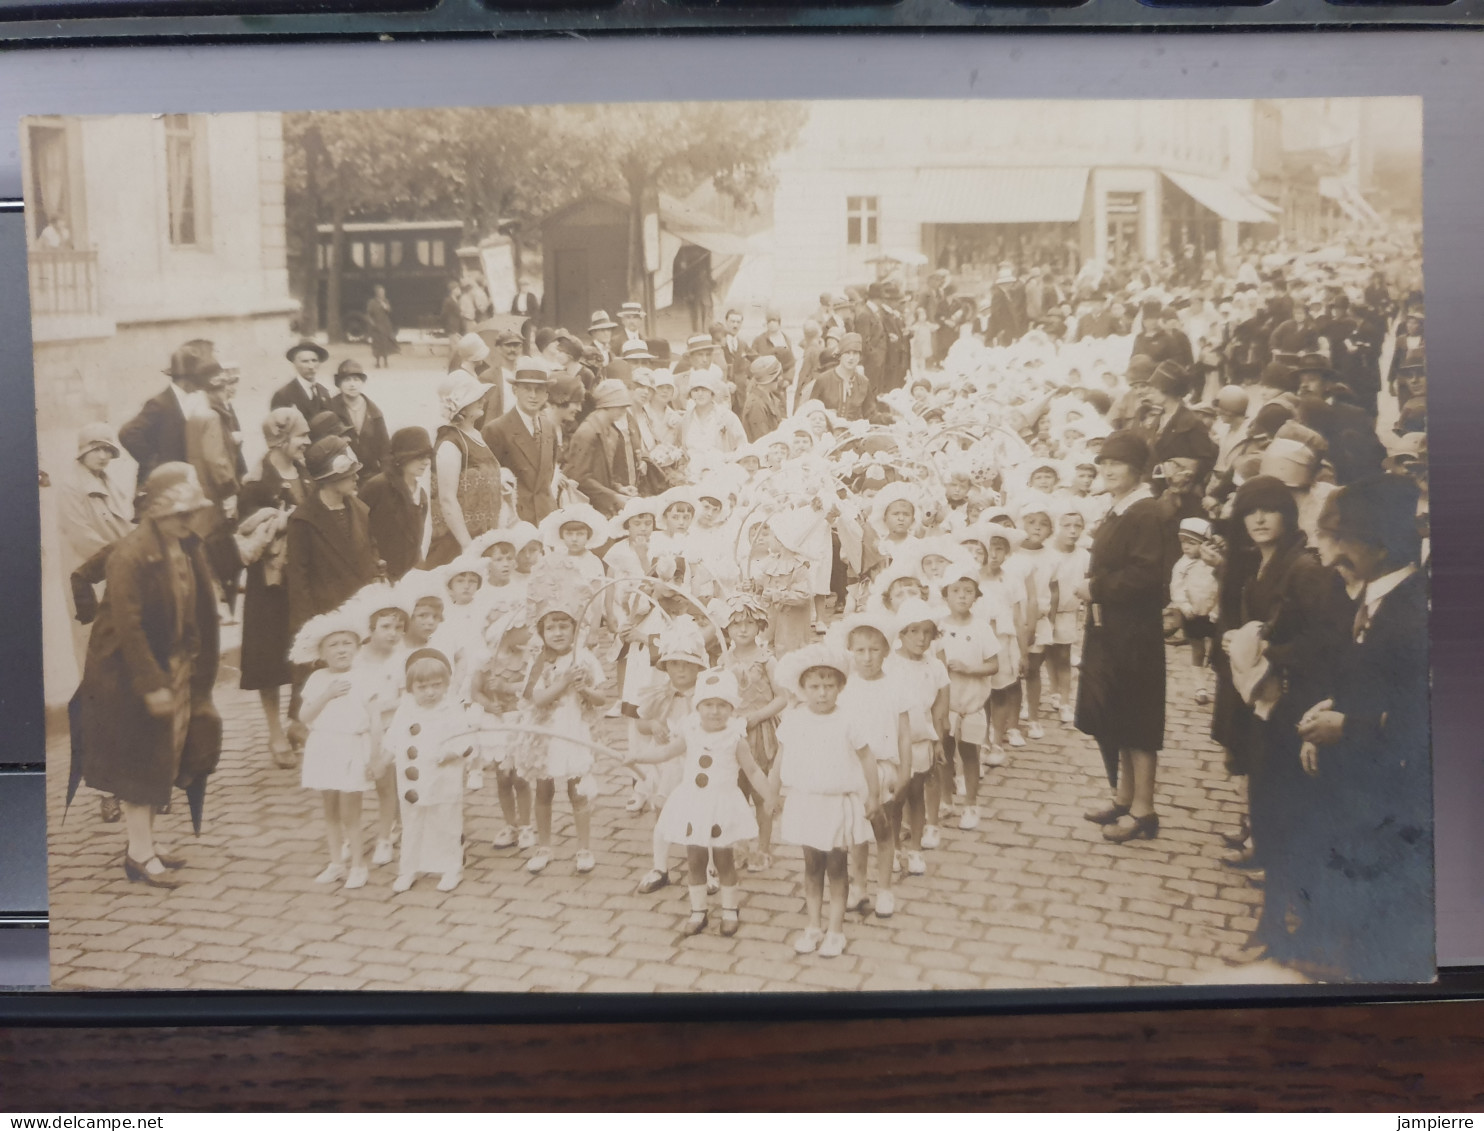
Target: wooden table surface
{"type": "Point", "coordinates": [1407, 1058]}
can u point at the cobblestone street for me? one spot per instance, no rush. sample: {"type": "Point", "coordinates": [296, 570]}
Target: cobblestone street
{"type": "Point", "coordinates": [1032, 898]}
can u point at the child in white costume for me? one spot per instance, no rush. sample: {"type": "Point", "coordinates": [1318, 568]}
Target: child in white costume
{"type": "Point", "coordinates": [924, 683]}
{"type": "Point", "coordinates": [385, 612]}
{"type": "Point", "coordinates": [875, 702]}
{"type": "Point", "coordinates": [707, 811]}
{"type": "Point", "coordinates": [495, 691]}
{"type": "Point", "coordinates": [828, 779]}
{"type": "Point", "coordinates": [969, 649]}
{"type": "Point", "coordinates": [560, 697]}
{"type": "Point", "coordinates": [344, 722]}
{"type": "Point", "coordinates": [665, 705]}
{"type": "Point", "coordinates": [431, 739]}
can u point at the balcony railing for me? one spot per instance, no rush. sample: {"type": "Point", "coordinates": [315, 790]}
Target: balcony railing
{"type": "Point", "coordinates": [63, 281]}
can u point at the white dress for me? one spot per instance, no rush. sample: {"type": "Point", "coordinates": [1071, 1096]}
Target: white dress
{"type": "Point", "coordinates": [974, 644]}
{"type": "Point", "coordinates": [876, 706]}
{"type": "Point", "coordinates": [824, 787]}
{"type": "Point", "coordinates": [920, 681]}
{"type": "Point", "coordinates": [539, 756]}
{"type": "Point", "coordinates": [337, 753]}
{"type": "Point", "coordinates": [707, 808]}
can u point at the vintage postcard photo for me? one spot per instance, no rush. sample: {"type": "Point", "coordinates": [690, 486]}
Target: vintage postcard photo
{"type": "Point", "coordinates": [735, 546]}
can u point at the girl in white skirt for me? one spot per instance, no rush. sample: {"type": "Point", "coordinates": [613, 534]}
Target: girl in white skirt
{"type": "Point", "coordinates": [431, 738]}
{"type": "Point", "coordinates": [828, 778]}
{"type": "Point", "coordinates": [968, 648]}
{"type": "Point", "coordinates": [707, 812]}
{"type": "Point", "coordinates": [344, 722]}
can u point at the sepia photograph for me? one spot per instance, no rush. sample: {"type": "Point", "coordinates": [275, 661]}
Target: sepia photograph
{"type": "Point", "coordinates": [735, 546]}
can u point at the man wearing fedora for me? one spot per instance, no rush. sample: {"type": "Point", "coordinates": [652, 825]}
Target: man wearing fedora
{"type": "Point", "coordinates": [157, 433]}
{"type": "Point", "coordinates": [525, 442]}
{"type": "Point", "coordinates": [871, 327]}
{"type": "Point", "coordinates": [600, 330]}
{"type": "Point", "coordinates": [303, 391]}
{"type": "Point", "coordinates": [1006, 317]}
{"type": "Point", "coordinates": [631, 316]}
{"type": "Point", "coordinates": [632, 355]}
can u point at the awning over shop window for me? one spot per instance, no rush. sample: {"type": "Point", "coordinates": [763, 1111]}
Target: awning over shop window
{"type": "Point", "coordinates": [1001, 196]}
{"type": "Point", "coordinates": [1221, 198]}
{"type": "Point", "coordinates": [1350, 200]}
{"type": "Point", "coordinates": [722, 243]}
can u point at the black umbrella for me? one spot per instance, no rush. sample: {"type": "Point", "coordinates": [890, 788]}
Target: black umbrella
{"type": "Point", "coordinates": [203, 750]}
{"type": "Point", "coordinates": [74, 728]}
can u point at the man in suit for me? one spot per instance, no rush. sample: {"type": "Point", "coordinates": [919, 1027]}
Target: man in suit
{"type": "Point", "coordinates": [526, 303]}
{"type": "Point", "coordinates": [736, 355]}
{"type": "Point", "coordinates": [525, 442]}
{"type": "Point", "coordinates": [600, 329]}
{"type": "Point", "coordinates": [601, 457]}
{"type": "Point", "coordinates": [304, 392]}
{"type": "Point", "coordinates": [1006, 320]}
{"type": "Point", "coordinates": [157, 433]}
{"type": "Point", "coordinates": [871, 327]}
{"type": "Point", "coordinates": [1372, 915]}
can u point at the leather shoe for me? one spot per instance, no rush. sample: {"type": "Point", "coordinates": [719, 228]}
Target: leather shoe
{"type": "Point", "coordinates": [139, 874]}
{"type": "Point", "coordinates": [1138, 828]}
{"type": "Point", "coordinates": [171, 862]}
{"type": "Point", "coordinates": [1106, 816]}
{"type": "Point", "coordinates": [1244, 861]}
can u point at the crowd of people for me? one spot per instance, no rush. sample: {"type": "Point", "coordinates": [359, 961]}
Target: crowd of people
{"type": "Point", "coordinates": [823, 589]}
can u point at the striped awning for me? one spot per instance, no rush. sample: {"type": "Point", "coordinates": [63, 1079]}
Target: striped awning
{"type": "Point", "coordinates": [1014, 195]}
{"type": "Point", "coordinates": [1221, 198]}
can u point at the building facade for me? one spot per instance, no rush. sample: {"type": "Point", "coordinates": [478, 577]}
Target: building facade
{"type": "Point", "coordinates": [965, 186]}
{"type": "Point", "coordinates": [146, 231]}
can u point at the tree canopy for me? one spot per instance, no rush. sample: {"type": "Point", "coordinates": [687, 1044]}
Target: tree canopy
{"type": "Point", "coordinates": [488, 165]}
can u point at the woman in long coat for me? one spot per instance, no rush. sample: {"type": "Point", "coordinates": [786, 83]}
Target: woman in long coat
{"type": "Point", "coordinates": [1121, 695]}
{"type": "Point", "coordinates": [1305, 616]}
{"type": "Point", "coordinates": [380, 327]}
{"type": "Point", "coordinates": [151, 665]}
{"type": "Point", "coordinates": [397, 503]}
{"type": "Point", "coordinates": [279, 484]}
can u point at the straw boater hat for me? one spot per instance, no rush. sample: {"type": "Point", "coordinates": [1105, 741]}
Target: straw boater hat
{"type": "Point", "coordinates": [1197, 528]}
{"type": "Point", "coordinates": [636, 351]}
{"type": "Point", "coordinates": [601, 321]}
{"type": "Point", "coordinates": [631, 308]}
{"type": "Point", "coordinates": [532, 371]}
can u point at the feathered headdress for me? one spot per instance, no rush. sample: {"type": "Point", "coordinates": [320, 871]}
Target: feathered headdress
{"type": "Point", "coordinates": [682, 639]}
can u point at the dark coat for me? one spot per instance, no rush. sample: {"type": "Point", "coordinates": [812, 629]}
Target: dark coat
{"type": "Point", "coordinates": [1374, 915]}
{"type": "Point", "coordinates": [872, 329]}
{"type": "Point", "coordinates": [595, 460]}
{"type": "Point", "coordinates": [325, 568]}
{"type": "Point", "coordinates": [156, 434]}
{"type": "Point", "coordinates": [532, 464]}
{"type": "Point", "coordinates": [292, 395]}
{"type": "Point", "coordinates": [265, 607]}
{"type": "Point", "coordinates": [1006, 322]}
{"type": "Point", "coordinates": [127, 751]}
{"type": "Point", "coordinates": [1184, 433]}
{"type": "Point", "coordinates": [396, 521]}
{"type": "Point", "coordinates": [1121, 695]}
{"type": "Point", "coordinates": [829, 390]}
{"type": "Point", "coordinates": [763, 410]}
{"type": "Point", "coordinates": [372, 443]}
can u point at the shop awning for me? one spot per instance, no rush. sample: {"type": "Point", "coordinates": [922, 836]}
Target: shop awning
{"type": "Point", "coordinates": [1024, 195]}
{"type": "Point", "coordinates": [1221, 198]}
{"type": "Point", "coordinates": [1350, 200]}
{"type": "Point", "coordinates": [722, 243]}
